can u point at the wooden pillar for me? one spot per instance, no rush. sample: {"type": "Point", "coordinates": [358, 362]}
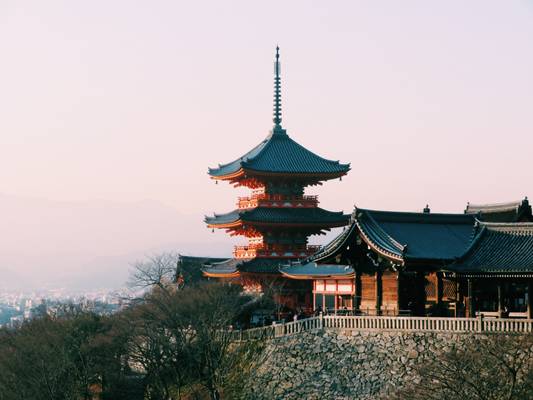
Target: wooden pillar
{"type": "Point", "coordinates": [500, 299]}
{"type": "Point", "coordinates": [398, 291]}
{"type": "Point", "coordinates": [471, 312]}
{"type": "Point", "coordinates": [420, 306]}
{"type": "Point", "coordinates": [379, 291]}
{"type": "Point", "coordinates": [529, 299]}
{"type": "Point", "coordinates": [459, 300]}
{"type": "Point", "coordinates": [358, 292]}
{"type": "Point", "coordinates": [440, 292]}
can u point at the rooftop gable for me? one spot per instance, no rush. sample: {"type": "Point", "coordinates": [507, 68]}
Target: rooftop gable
{"type": "Point", "coordinates": [406, 236]}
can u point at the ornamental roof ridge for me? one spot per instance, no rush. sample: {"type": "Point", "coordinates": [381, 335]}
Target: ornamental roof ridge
{"type": "Point", "coordinates": [416, 216]}
{"type": "Point", "coordinates": [477, 233]}
{"type": "Point", "coordinates": [378, 229]}
{"type": "Point", "coordinates": [510, 227]}
{"type": "Point", "coordinates": [472, 208]}
{"type": "Point", "coordinates": [332, 247]}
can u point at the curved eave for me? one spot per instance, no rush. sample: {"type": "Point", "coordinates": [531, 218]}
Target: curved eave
{"type": "Point", "coordinates": [226, 177]}
{"type": "Point", "coordinates": [318, 224]}
{"type": "Point", "coordinates": [320, 276]}
{"type": "Point", "coordinates": [281, 174]}
{"type": "Point", "coordinates": [377, 248]}
{"type": "Point", "coordinates": [208, 274]}
{"type": "Point", "coordinates": [242, 173]}
{"type": "Point", "coordinates": [227, 225]}
{"type": "Point", "coordinates": [510, 274]}
{"type": "Point", "coordinates": [240, 222]}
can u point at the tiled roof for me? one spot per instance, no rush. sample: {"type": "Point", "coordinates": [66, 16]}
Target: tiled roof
{"type": "Point", "coordinates": [225, 267]}
{"type": "Point", "coordinates": [502, 212]}
{"type": "Point", "coordinates": [255, 265]}
{"type": "Point", "coordinates": [312, 269]}
{"type": "Point", "coordinates": [300, 216]}
{"type": "Point", "coordinates": [499, 248]}
{"type": "Point", "coordinates": [416, 236]}
{"type": "Point", "coordinates": [264, 265]}
{"type": "Point", "coordinates": [200, 260]}
{"type": "Point", "coordinates": [278, 153]}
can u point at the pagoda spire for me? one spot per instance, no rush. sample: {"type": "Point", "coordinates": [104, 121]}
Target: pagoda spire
{"type": "Point", "coordinates": [277, 94]}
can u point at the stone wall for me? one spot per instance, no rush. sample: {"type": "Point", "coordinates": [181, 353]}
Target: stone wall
{"type": "Point", "coordinates": [341, 364]}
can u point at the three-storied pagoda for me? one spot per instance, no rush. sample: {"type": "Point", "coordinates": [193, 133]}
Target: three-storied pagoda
{"type": "Point", "coordinates": [278, 217]}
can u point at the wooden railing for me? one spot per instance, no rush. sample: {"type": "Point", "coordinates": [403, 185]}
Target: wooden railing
{"type": "Point", "coordinates": [261, 250]}
{"type": "Point", "coordinates": [277, 201]}
{"type": "Point", "coordinates": [409, 324]}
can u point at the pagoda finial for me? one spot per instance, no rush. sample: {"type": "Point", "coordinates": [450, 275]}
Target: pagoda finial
{"type": "Point", "coordinates": [277, 93]}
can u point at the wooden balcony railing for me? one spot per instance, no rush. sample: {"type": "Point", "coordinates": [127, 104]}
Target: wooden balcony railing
{"type": "Point", "coordinates": [261, 250]}
{"type": "Point", "coordinates": [279, 201]}
{"type": "Point", "coordinates": [404, 324]}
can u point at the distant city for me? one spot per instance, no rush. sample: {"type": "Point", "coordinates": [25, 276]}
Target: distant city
{"type": "Point", "coordinates": [19, 306]}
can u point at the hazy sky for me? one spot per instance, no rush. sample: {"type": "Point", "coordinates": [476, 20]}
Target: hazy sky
{"type": "Point", "coordinates": [126, 101]}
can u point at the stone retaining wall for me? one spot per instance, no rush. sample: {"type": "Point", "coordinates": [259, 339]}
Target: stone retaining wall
{"type": "Point", "coordinates": [343, 364]}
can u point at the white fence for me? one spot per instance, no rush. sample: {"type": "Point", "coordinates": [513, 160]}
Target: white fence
{"type": "Point", "coordinates": [410, 324]}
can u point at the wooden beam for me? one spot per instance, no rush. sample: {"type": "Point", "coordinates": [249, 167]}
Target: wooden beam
{"type": "Point", "coordinates": [379, 291]}
{"type": "Point", "coordinates": [398, 291]}
{"type": "Point", "coordinates": [530, 299]}
{"type": "Point", "coordinates": [358, 293]}
{"type": "Point", "coordinates": [471, 313]}
{"type": "Point", "coordinates": [460, 308]}
{"type": "Point", "coordinates": [420, 290]}
{"type": "Point", "coordinates": [500, 299]}
{"type": "Point", "coordinates": [440, 291]}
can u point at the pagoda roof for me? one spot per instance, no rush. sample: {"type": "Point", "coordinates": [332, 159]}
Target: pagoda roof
{"type": "Point", "coordinates": [502, 212]}
{"type": "Point", "coordinates": [498, 249]}
{"type": "Point", "coordinates": [281, 216]}
{"type": "Point", "coordinates": [313, 270]}
{"type": "Point", "coordinates": [280, 155]}
{"type": "Point", "coordinates": [233, 266]}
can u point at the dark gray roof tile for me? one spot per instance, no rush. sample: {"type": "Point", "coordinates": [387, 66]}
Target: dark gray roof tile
{"type": "Point", "coordinates": [499, 248]}
{"type": "Point", "coordinates": [278, 153]}
{"type": "Point", "coordinates": [281, 216]}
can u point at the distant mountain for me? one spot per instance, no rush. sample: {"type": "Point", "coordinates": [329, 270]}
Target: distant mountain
{"type": "Point", "coordinates": [90, 244]}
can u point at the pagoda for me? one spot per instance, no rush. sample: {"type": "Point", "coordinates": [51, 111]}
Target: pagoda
{"type": "Point", "coordinates": [278, 217]}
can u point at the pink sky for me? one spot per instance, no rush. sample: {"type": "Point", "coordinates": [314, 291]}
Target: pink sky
{"type": "Point", "coordinates": [124, 101]}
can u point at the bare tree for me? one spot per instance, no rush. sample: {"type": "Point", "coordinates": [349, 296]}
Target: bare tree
{"type": "Point", "coordinates": [273, 290]}
{"type": "Point", "coordinates": [182, 337]}
{"type": "Point", "coordinates": [157, 271]}
{"type": "Point", "coordinates": [56, 358]}
{"type": "Point", "coordinates": [211, 310]}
